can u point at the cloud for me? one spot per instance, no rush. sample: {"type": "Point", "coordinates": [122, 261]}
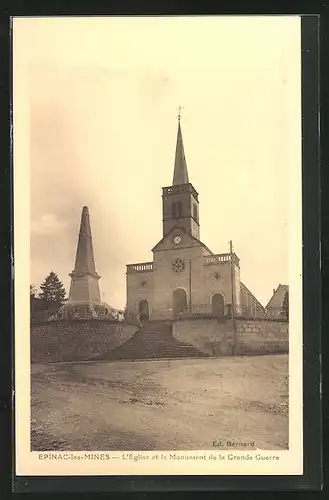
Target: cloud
{"type": "Point", "coordinates": [47, 224]}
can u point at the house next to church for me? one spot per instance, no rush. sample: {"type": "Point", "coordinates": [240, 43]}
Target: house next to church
{"type": "Point", "coordinates": [185, 275]}
{"type": "Point", "coordinates": [277, 298]}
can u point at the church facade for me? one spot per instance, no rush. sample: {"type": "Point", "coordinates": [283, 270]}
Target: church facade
{"type": "Point", "coordinates": [185, 275]}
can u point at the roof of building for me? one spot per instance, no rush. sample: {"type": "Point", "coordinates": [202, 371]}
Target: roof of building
{"type": "Point", "coordinates": [185, 231]}
{"type": "Point", "coordinates": [243, 286]}
{"type": "Point", "coordinates": [283, 288]}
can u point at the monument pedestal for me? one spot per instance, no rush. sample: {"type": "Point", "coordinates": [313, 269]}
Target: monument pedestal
{"type": "Point", "coordinates": [83, 310]}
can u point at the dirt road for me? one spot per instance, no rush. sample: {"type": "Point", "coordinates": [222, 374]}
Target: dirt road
{"type": "Point", "coordinates": [163, 405]}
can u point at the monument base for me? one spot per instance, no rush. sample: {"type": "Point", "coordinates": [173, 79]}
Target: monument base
{"type": "Point", "coordinates": [82, 310]}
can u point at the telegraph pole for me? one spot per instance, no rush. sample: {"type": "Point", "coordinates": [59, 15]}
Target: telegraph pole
{"type": "Point", "coordinates": [233, 298]}
{"type": "Point", "coordinates": [190, 286]}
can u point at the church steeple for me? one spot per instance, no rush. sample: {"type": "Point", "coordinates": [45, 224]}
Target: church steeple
{"type": "Point", "coordinates": [180, 204]}
{"type": "Point", "coordinates": [180, 169]}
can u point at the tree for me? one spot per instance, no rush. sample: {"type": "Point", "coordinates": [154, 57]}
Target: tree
{"type": "Point", "coordinates": [34, 301]}
{"type": "Point", "coordinates": [33, 292]}
{"type": "Point", "coordinates": [285, 304]}
{"type": "Point", "coordinates": [52, 291]}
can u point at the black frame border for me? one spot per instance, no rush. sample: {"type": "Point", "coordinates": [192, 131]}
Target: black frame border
{"type": "Point", "coordinates": [312, 477]}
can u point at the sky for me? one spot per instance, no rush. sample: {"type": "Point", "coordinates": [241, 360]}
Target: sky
{"type": "Point", "coordinates": [103, 96]}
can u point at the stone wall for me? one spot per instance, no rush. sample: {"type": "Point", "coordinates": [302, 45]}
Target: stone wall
{"type": "Point", "coordinates": [216, 336]}
{"type": "Point", "coordinates": [139, 287]}
{"type": "Point", "coordinates": [210, 335]}
{"type": "Point", "coordinates": [223, 285]}
{"type": "Point", "coordinates": [262, 336]}
{"type": "Point", "coordinates": [166, 280]}
{"type": "Point", "coordinates": [76, 340]}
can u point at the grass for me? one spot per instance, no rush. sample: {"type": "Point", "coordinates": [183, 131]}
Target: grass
{"type": "Point", "coordinates": [162, 405]}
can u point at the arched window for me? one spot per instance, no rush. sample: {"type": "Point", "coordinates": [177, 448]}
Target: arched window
{"type": "Point", "coordinates": [177, 209]}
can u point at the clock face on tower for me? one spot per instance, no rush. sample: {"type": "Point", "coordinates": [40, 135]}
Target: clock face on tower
{"type": "Point", "coordinates": [177, 239]}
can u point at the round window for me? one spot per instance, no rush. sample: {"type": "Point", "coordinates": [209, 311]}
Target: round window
{"type": "Point", "coordinates": [178, 265]}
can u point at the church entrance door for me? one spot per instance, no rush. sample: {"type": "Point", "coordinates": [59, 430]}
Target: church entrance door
{"type": "Point", "coordinates": [217, 304]}
{"type": "Point", "coordinates": [179, 302]}
{"type": "Point", "coordinates": [143, 310]}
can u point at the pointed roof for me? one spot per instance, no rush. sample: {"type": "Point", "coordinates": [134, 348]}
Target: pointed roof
{"type": "Point", "coordinates": [180, 169]}
{"type": "Point", "coordinates": [246, 289]}
{"type": "Point", "coordinates": [278, 296]}
{"type": "Point", "coordinates": [182, 229]}
{"type": "Point", "coordinates": [84, 261]}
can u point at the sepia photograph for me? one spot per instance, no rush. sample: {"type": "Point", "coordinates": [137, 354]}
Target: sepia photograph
{"type": "Point", "coordinates": [158, 221]}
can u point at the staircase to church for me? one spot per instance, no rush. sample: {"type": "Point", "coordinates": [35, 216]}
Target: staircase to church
{"type": "Point", "coordinates": [154, 340]}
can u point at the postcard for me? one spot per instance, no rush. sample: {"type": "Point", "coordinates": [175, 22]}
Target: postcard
{"type": "Point", "coordinates": [158, 245]}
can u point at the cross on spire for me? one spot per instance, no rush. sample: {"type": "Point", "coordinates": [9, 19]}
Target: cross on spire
{"type": "Point", "coordinates": [179, 113]}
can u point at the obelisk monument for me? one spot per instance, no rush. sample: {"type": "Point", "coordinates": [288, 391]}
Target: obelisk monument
{"type": "Point", "coordinates": [84, 298]}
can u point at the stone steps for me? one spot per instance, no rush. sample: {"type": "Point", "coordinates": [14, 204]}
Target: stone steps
{"type": "Point", "coordinates": [154, 340]}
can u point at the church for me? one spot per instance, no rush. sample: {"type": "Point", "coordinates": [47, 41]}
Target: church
{"type": "Point", "coordinates": [185, 276]}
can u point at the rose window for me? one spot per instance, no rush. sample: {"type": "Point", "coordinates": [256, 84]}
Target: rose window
{"type": "Point", "coordinates": [178, 265]}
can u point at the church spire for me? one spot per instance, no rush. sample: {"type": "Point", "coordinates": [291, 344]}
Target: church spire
{"type": "Point", "coordinates": [180, 169]}
{"type": "Point", "coordinates": [85, 261]}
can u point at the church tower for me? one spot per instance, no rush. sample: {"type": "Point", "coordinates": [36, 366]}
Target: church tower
{"type": "Point", "coordinates": [180, 204]}
{"type": "Point", "coordinates": [185, 276]}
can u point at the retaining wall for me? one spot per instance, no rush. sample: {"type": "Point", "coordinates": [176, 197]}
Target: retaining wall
{"type": "Point", "coordinates": [76, 340]}
{"type": "Point", "coordinates": [262, 336]}
{"type": "Point", "coordinates": [216, 336]}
